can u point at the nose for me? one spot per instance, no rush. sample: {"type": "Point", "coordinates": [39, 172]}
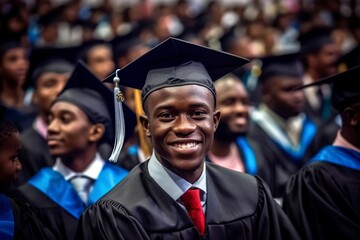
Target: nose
{"type": "Point", "coordinates": [18, 165]}
{"type": "Point", "coordinates": [240, 107]}
{"type": "Point", "coordinates": [53, 127]}
{"type": "Point", "coordinates": [184, 125]}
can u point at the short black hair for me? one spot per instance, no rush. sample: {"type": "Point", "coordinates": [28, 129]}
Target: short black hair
{"type": "Point", "coordinates": [7, 128]}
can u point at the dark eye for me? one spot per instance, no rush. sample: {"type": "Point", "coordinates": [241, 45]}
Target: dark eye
{"type": "Point", "coordinates": [49, 119]}
{"type": "Point", "coordinates": [65, 118]}
{"type": "Point", "coordinates": [198, 114]}
{"type": "Point", "coordinates": [166, 116]}
{"type": "Point", "coordinates": [50, 83]}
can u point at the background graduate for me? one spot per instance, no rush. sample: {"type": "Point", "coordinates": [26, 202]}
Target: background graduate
{"type": "Point", "coordinates": [180, 118]}
{"type": "Point", "coordinates": [231, 147]}
{"type": "Point", "coordinates": [80, 120]}
{"type": "Point", "coordinates": [285, 131]}
{"type": "Point", "coordinates": [17, 218]}
{"type": "Point", "coordinates": [322, 199]}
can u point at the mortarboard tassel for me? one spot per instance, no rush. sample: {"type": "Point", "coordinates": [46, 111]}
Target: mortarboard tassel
{"type": "Point", "coordinates": [119, 120]}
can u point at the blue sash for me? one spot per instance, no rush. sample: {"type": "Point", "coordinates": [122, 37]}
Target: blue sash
{"type": "Point", "coordinates": [339, 156]}
{"type": "Point", "coordinates": [280, 139]}
{"type": "Point", "coordinates": [6, 219]}
{"type": "Point", "coordinates": [52, 184]}
{"type": "Point", "coordinates": [249, 155]}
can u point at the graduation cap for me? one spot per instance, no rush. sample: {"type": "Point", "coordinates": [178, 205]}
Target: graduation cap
{"type": "Point", "coordinates": [287, 65]}
{"type": "Point", "coordinates": [7, 44]}
{"type": "Point", "coordinates": [87, 92]}
{"type": "Point", "coordinates": [345, 90]}
{"type": "Point", "coordinates": [61, 58]}
{"type": "Point", "coordinates": [312, 40]}
{"type": "Point", "coordinates": [86, 46]}
{"type": "Point", "coordinates": [176, 62]}
{"type": "Point", "coordinates": [349, 60]}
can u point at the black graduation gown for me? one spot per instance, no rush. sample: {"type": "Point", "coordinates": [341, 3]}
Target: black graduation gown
{"type": "Point", "coordinates": [281, 165]}
{"type": "Point", "coordinates": [57, 202]}
{"type": "Point", "coordinates": [323, 202]}
{"type": "Point", "coordinates": [34, 155]}
{"type": "Point", "coordinates": [26, 223]}
{"type": "Point", "coordinates": [138, 208]}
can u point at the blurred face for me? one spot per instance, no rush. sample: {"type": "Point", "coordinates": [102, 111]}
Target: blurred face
{"type": "Point", "coordinates": [14, 66]}
{"type": "Point", "coordinates": [68, 130]}
{"type": "Point", "coordinates": [48, 86]}
{"type": "Point", "coordinates": [281, 98]}
{"type": "Point", "coordinates": [100, 61]}
{"type": "Point", "coordinates": [181, 123]}
{"type": "Point", "coordinates": [325, 60]}
{"type": "Point", "coordinates": [233, 103]}
{"type": "Point", "coordinates": [10, 165]}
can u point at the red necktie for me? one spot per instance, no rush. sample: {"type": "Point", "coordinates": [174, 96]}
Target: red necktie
{"type": "Point", "coordinates": [191, 200]}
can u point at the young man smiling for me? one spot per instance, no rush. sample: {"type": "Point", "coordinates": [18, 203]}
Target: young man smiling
{"type": "Point", "coordinates": [80, 119]}
{"type": "Point", "coordinates": [175, 194]}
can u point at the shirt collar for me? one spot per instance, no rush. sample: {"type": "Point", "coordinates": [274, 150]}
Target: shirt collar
{"type": "Point", "coordinates": [40, 126]}
{"type": "Point", "coordinates": [92, 171]}
{"type": "Point", "coordinates": [171, 183]}
{"type": "Point", "coordinates": [282, 123]}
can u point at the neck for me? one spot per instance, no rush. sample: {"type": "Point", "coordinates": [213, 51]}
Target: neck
{"type": "Point", "coordinates": [313, 74]}
{"type": "Point", "coordinates": [352, 136]}
{"type": "Point", "coordinates": [79, 162]}
{"type": "Point", "coordinates": [12, 95]}
{"type": "Point", "coordinates": [221, 148]}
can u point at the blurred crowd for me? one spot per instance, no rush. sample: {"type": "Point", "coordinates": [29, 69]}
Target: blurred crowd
{"type": "Point", "coordinates": [303, 40]}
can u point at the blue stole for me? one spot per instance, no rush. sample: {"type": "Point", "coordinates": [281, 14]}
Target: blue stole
{"type": "Point", "coordinates": [6, 219]}
{"type": "Point", "coordinates": [340, 156]}
{"type": "Point", "coordinates": [52, 184]}
{"type": "Point", "coordinates": [280, 138]}
{"type": "Point", "coordinates": [249, 155]}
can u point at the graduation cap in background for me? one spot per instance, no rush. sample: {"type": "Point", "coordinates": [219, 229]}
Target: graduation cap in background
{"type": "Point", "coordinates": [40, 56]}
{"type": "Point", "coordinates": [349, 60]}
{"type": "Point", "coordinates": [87, 45]}
{"type": "Point", "coordinates": [345, 87]}
{"type": "Point", "coordinates": [87, 92]}
{"type": "Point", "coordinates": [287, 65]}
{"type": "Point", "coordinates": [176, 62]}
{"type": "Point", "coordinates": [312, 40]}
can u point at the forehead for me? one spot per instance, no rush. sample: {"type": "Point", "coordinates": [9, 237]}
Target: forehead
{"type": "Point", "coordinates": [181, 95]}
{"type": "Point", "coordinates": [229, 84]}
{"type": "Point", "coordinates": [12, 143]}
{"type": "Point", "coordinates": [62, 107]}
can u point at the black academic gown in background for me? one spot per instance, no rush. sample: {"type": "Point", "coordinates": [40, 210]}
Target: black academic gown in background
{"type": "Point", "coordinates": [323, 202]}
{"type": "Point", "coordinates": [26, 223]}
{"type": "Point", "coordinates": [239, 206]}
{"type": "Point", "coordinates": [280, 164]}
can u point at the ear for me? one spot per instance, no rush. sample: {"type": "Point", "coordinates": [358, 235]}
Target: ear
{"type": "Point", "coordinates": [352, 116]}
{"type": "Point", "coordinates": [144, 119]}
{"type": "Point", "coordinates": [96, 132]}
{"type": "Point", "coordinates": [216, 118]}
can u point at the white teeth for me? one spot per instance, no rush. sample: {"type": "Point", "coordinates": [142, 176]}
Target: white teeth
{"type": "Point", "coordinates": [185, 145]}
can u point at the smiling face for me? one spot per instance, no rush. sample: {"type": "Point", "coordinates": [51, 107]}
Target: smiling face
{"type": "Point", "coordinates": [233, 103]}
{"type": "Point", "coordinates": [181, 122]}
{"type": "Point", "coordinates": [69, 131]}
{"type": "Point", "coordinates": [9, 161]}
